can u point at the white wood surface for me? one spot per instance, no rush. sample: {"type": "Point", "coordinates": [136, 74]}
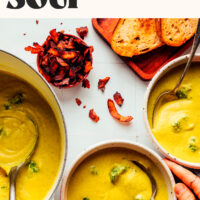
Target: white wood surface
{"type": "Point", "coordinates": [82, 132]}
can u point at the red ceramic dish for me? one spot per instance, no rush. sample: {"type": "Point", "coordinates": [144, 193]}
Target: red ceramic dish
{"type": "Point", "coordinates": [70, 85]}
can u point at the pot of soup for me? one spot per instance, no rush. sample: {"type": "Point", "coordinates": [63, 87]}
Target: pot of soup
{"type": "Point", "coordinates": [116, 170]}
{"type": "Point", "coordinates": [27, 101]}
{"type": "Point", "coordinates": [175, 131]}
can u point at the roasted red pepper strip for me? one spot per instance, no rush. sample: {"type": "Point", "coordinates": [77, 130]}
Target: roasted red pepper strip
{"type": "Point", "coordinates": [118, 98]}
{"type": "Point", "coordinates": [93, 115]}
{"type": "Point", "coordinates": [82, 31]}
{"type": "Point", "coordinates": [102, 83]}
{"type": "Point", "coordinates": [114, 113]}
{"type": "Point", "coordinates": [78, 101]}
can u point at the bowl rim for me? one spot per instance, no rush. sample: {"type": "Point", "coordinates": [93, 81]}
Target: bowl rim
{"type": "Point", "coordinates": [169, 66]}
{"type": "Point", "coordinates": [126, 144]}
{"type": "Point", "coordinates": [52, 191]}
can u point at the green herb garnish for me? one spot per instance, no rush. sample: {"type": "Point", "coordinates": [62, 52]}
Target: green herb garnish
{"type": "Point", "coordinates": [4, 187]}
{"type": "Point", "coordinates": [116, 172]}
{"type": "Point", "coordinates": [176, 126]}
{"type": "Point", "coordinates": [33, 166]}
{"type": "Point", "coordinates": [17, 99]}
{"type": "Point", "coordinates": [193, 144]}
{"type": "Point", "coordinates": [6, 106]}
{"type": "Point", "coordinates": [182, 93]}
{"type": "Point", "coordinates": [93, 170]}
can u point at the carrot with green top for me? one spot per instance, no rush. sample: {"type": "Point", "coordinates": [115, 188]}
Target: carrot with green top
{"type": "Point", "coordinates": [191, 180]}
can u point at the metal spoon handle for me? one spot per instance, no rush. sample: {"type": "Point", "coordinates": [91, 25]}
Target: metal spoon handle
{"type": "Point", "coordinates": [13, 177]}
{"type": "Point", "coordinates": [193, 50]}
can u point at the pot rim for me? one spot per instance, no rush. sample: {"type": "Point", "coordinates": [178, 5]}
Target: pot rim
{"type": "Point", "coordinates": [51, 192]}
{"type": "Point", "coordinates": [169, 66]}
{"type": "Point", "coordinates": [125, 144]}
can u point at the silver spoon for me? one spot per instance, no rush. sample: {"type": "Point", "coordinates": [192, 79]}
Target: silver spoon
{"type": "Point", "coordinates": [153, 181]}
{"type": "Point", "coordinates": [170, 95]}
{"type": "Point", "coordinates": [14, 170]}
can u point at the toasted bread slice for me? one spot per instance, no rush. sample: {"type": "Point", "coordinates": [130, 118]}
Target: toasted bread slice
{"type": "Point", "coordinates": [175, 32]}
{"type": "Point", "coordinates": [135, 36]}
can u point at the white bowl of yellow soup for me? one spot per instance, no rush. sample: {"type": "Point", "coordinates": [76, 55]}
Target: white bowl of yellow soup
{"type": "Point", "coordinates": [177, 123]}
{"type": "Point", "coordinates": [91, 175]}
{"type": "Point", "coordinates": [23, 90]}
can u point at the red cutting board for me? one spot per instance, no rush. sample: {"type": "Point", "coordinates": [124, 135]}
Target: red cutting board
{"type": "Point", "coordinates": [145, 65]}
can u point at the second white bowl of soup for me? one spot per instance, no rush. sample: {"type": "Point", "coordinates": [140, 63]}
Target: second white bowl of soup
{"type": "Point", "coordinates": [177, 123]}
{"type": "Point", "coordinates": [106, 171]}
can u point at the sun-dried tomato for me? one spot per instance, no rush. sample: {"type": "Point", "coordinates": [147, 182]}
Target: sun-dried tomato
{"type": "Point", "coordinates": [118, 98]}
{"type": "Point", "coordinates": [84, 106]}
{"type": "Point", "coordinates": [78, 101]}
{"type": "Point", "coordinates": [88, 67]}
{"type": "Point", "coordinates": [64, 60]}
{"type": "Point", "coordinates": [82, 31]}
{"type": "Point", "coordinates": [102, 83]}
{"type": "Point", "coordinates": [114, 113]}
{"type": "Point", "coordinates": [37, 21]}
{"type": "Point", "coordinates": [93, 115]}
{"type": "Point", "coordinates": [86, 83]}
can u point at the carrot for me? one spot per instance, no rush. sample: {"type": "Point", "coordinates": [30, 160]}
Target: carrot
{"type": "Point", "coordinates": [183, 192]}
{"type": "Point", "coordinates": [191, 180]}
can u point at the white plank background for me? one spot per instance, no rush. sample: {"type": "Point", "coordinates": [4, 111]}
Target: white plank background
{"type": "Point", "coordinates": [82, 132]}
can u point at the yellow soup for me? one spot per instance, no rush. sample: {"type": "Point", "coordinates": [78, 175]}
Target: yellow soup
{"type": "Point", "coordinates": [22, 111]}
{"type": "Point", "coordinates": [110, 175]}
{"type": "Point", "coordinates": [177, 123]}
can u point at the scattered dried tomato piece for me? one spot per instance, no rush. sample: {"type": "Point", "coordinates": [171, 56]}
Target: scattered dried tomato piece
{"type": "Point", "coordinates": [118, 98]}
{"type": "Point", "coordinates": [64, 60]}
{"type": "Point", "coordinates": [102, 83]}
{"type": "Point", "coordinates": [24, 34]}
{"type": "Point", "coordinates": [82, 31]}
{"type": "Point", "coordinates": [93, 115]}
{"type": "Point", "coordinates": [86, 83]}
{"type": "Point", "coordinates": [88, 66]}
{"type": "Point", "coordinates": [36, 49]}
{"type": "Point", "coordinates": [78, 101]}
{"type": "Point", "coordinates": [114, 113]}
{"type": "Point", "coordinates": [84, 106]}
{"type": "Point", "coordinates": [37, 21]}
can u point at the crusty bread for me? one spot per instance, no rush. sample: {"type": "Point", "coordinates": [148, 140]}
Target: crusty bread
{"type": "Point", "coordinates": [175, 32]}
{"type": "Point", "coordinates": [135, 36]}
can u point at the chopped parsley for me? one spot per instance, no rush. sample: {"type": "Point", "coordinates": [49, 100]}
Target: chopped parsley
{"type": "Point", "coordinates": [182, 93]}
{"type": "Point", "coordinates": [116, 172]}
{"type": "Point", "coordinates": [6, 106]}
{"type": "Point", "coordinates": [17, 99]}
{"type": "Point", "coordinates": [93, 170]}
{"type": "Point", "coordinates": [193, 144]}
{"type": "Point", "coordinates": [4, 187]}
{"type": "Point", "coordinates": [33, 166]}
{"type": "Point", "coordinates": [176, 126]}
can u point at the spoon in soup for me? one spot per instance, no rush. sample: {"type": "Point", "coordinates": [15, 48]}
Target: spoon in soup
{"type": "Point", "coordinates": [18, 138]}
{"type": "Point", "coordinates": [170, 95]}
{"type": "Point", "coordinates": [148, 173]}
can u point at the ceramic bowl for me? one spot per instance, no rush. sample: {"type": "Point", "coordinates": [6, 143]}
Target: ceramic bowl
{"type": "Point", "coordinates": [154, 157]}
{"type": "Point", "coordinates": [161, 73]}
